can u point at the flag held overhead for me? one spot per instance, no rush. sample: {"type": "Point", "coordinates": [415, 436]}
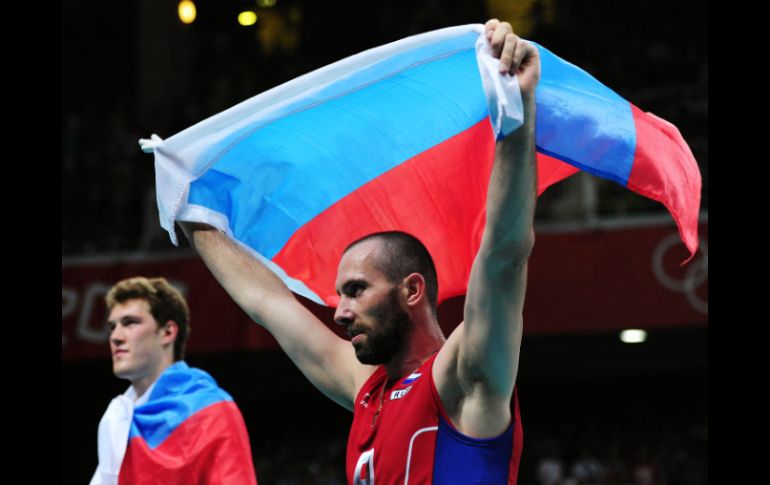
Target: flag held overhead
{"type": "Point", "coordinates": [401, 137]}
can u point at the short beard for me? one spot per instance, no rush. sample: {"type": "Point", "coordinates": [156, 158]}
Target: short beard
{"type": "Point", "coordinates": [390, 335]}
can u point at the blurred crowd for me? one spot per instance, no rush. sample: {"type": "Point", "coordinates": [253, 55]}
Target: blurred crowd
{"type": "Point", "coordinates": [590, 453]}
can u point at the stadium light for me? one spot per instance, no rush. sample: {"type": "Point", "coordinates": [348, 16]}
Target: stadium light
{"type": "Point", "coordinates": [247, 18]}
{"type": "Point", "coordinates": [633, 336]}
{"type": "Point", "coordinates": [187, 11]}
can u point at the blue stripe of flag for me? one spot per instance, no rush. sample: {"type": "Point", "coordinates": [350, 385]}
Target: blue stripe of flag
{"type": "Point", "coordinates": [286, 172]}
{"type": "Point", "coordinates": [179, 393]}
{"type": "Point", "coordinates": [583, 122]}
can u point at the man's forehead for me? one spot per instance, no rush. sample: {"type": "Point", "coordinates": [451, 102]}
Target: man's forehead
{"type": "Point", "coordinates": [362, 252]}
{"type": "Point", "coordinates": [358, 261]}
{"type": "Point", "coordinates": [134, 306]}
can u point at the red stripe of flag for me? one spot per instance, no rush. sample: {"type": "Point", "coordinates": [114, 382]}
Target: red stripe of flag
{"type": "Point", "coordinates": [665, 170]}
{"type": "Point", "coordinates": [444, 187]}
{"type": "Point", "coordinates": [211, 446]}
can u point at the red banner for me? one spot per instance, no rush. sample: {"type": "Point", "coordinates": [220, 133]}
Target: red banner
{"type": "Point", "coordinates": [611, 277]}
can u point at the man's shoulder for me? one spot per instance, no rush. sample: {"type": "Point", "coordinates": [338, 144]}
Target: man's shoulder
{"type": "Point", "coordinates": [181, 381]}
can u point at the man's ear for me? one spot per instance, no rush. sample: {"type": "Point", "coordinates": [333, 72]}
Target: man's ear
{"type": "Point", "coordinates": [414, 288]}
{"type": "Point", "coordinates": [170, 330]}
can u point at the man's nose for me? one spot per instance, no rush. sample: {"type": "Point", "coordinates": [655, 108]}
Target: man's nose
{"type": "Point", "coordinates": [116, 335]}
{"type": "Point", "coordinates": [342, 314]}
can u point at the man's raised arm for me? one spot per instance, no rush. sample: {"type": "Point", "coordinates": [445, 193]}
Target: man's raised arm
{"type": "Point", "coordinates": [476, 375]}
{"type": "Point", "coordinates": [327, 360]}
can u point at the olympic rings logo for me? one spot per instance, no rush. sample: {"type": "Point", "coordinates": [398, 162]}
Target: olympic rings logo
{"type": "Point", "coordinates": [695, 274]}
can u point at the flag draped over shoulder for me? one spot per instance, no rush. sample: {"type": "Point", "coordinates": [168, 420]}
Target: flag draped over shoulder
{"type": "Point", "coordinates": [402, 137]}
{"type": "Point", "coordinates": [189, 431]}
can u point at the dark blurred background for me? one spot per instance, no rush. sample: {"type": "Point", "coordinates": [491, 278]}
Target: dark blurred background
{"type": "Point", "coordinates": [594, 409]}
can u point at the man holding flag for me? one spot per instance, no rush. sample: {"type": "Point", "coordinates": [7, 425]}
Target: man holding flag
{"type": "Point", "coordinates": [174, 424]}
{"type": "Point", "coordinates": [427, 409]}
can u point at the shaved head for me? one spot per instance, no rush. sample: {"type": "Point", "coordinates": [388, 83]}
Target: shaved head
{"type": "Point", "coordinates": [401, 255]}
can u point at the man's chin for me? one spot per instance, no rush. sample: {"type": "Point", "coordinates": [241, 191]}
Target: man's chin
{"type": "Point", "coordinates": [366, 357]}
{"type": "Point", "coordinates": [367, 360]}
{"type": "Point", "coordinates": [121, 372]}
{"type": "Point", "coordinates": [361, 354]}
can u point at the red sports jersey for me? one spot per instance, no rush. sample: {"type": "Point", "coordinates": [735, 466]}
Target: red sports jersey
{"type": "Point", "coordinates": [401, 435]}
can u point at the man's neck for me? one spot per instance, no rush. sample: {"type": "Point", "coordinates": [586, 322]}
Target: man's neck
{"type": "Point", "coordinates": [142, 384]}
{"type": "Point", "coordinates": [425, 340]}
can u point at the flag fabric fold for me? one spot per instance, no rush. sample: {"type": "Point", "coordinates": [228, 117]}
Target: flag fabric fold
{"type": "Point", "coordinates": [401, 137]}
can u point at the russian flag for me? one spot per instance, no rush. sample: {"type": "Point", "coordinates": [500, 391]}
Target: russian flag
{"type": "Point", "coordinates": [411, 378]}
{"type": "Point", "coordinates": [189, 431]}
{"type": "Point", "coordinates": [402, 137]}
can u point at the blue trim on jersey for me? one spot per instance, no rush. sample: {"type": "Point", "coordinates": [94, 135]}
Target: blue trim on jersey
{"type": "Point", "coordinates": [462, 460]}
{"type": "Point", "coordinates": [180, 392]}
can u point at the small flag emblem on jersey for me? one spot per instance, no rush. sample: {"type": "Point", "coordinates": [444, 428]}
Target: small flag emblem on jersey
{"type": "Point", "coordinates": [411, 378]}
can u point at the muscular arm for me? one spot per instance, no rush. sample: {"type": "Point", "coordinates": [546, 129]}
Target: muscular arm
{"type": "Point", "coordinates": [477, 372]}
{"type": "Point", "coordinates": [327, 360]}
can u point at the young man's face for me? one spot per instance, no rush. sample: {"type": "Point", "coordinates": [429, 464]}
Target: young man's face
{"type": "Point", "coordinates": [369, 306]}
{"type": "Point", "coordinates": [137, 344]}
